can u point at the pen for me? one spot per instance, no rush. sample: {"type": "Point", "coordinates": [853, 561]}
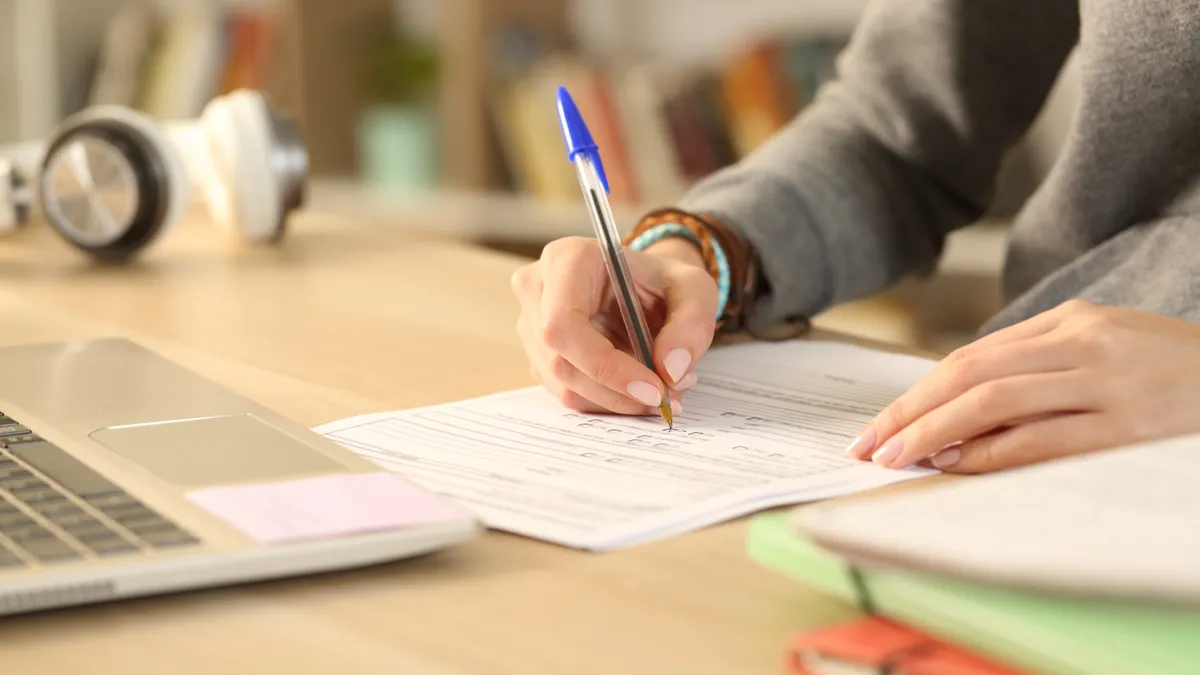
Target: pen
{"type": "Point", "coordinates": [585, 156]}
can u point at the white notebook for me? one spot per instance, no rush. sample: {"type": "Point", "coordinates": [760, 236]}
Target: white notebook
{"type": "Point", "coordinates": [1120, 523]}
{"type": "Point", "coordinates": [767, 425]}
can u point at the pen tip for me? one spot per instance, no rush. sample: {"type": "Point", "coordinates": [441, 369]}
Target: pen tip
{"type": "Point", "coordinates": [665, 411]}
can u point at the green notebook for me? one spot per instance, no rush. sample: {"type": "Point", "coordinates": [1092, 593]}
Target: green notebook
{"type": "Point", "coordinates": [1036, 633]}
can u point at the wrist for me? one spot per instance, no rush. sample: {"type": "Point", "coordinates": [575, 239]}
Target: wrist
{"type": "Point", "coordinates": [651, 232]}
{"type": "Point", "coordinates": [679, 248]}
{"type": "Point", "coordinates": [724, 252]}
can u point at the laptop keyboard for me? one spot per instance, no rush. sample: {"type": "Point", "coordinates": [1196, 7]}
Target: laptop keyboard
{"type": "Point", "coordinates": [54, 508]}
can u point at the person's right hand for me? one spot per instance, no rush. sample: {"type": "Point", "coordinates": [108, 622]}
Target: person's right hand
{"type": "Point", "coordinates": [576, 341]}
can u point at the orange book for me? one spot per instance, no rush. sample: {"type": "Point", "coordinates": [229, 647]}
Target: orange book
{"type": "Point", "coordinates": [876, 645]}
{"type": "Point", "coordinates": [250, 34]}
{"type": "Point", "coordinates": [758, 101]}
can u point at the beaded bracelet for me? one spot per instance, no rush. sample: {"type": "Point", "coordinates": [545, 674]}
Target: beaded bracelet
{"type": "Point", "coordinates": [663, 230]}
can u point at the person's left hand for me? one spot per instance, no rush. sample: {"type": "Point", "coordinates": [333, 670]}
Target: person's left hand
{"type": "Point", "coordinates": [1078, 378]}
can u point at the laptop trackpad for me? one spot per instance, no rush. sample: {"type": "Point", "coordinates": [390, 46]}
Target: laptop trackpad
{"type": "Point", "coordinates": [215, 450]}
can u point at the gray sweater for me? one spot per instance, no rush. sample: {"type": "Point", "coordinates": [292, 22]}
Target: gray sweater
{"type": "Point", "coordinates": [905, 146]}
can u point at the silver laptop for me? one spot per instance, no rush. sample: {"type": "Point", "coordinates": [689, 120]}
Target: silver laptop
{"type": "Point", "coordinates": [123, 474]}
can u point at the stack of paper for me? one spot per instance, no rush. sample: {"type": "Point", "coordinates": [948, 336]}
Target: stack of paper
{"type": "Point", "coordinates": [766, 425]}
{"type": "Point", "coordinates": [1088, 565]}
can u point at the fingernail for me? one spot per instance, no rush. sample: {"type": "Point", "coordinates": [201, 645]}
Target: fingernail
{"type": "Point", "coordinates": [863, 444]}
{"type": "Point", "coordinates": [947, 458]}
{"type": "Point", "coordinates": [889, 452]}
{"type": "Point", "coordinates": [645, 393]}
{"type": "Point", "coordinates": [677, 362]}
{"type": "Point", "coordinates": [687, 382]}
{"type": "Point", "coordinates": [676, 407]}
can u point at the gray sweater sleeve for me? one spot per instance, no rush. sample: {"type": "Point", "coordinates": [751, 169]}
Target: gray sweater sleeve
{"type": "Point", "coordinates": [900, 149]}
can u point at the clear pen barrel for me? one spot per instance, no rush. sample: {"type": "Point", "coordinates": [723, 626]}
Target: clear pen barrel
{"type": "Point", "coordinates": [609, 240]}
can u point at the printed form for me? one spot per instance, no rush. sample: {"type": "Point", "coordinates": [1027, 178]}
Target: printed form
{"type": "Point", "coordinates": [766, 425]}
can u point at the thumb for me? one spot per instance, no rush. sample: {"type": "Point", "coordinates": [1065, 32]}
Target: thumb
{"type": "Point", "coordinates": [691, 298]}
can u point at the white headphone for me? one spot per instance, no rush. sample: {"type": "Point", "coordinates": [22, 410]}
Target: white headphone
{"type": "Point", "coordinates": [111, 180]}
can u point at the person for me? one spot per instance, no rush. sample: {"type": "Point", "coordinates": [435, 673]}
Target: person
{"type": "Point", "coordinates": [1097, 344]}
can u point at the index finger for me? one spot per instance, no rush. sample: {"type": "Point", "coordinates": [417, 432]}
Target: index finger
{"type": "Point", "coordinates": [953, 377]}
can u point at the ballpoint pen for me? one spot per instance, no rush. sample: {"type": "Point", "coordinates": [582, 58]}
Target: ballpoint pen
{"type": "Point", "coordinates": [585, 156]}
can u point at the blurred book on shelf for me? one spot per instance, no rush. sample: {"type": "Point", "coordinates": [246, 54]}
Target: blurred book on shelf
{"type": "Point", "coordinates": [169, 63]}
{"type": "Point", "coordinates": [660, 128]}
{"type": "Point", "coordinates": [310, 58]}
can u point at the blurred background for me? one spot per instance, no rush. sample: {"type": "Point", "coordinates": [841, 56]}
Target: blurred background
{"type": "Point", "coordinates": [438, 114]}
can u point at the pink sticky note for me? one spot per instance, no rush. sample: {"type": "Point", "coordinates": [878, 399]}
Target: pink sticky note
{"type": "Point", "coordinates": [326, 506]}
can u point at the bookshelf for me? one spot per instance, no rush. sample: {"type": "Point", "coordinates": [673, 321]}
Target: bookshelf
{"type": "Point", "coordinates": [58, 49]}
{"type": "Point", "coordinates": [49, 51]}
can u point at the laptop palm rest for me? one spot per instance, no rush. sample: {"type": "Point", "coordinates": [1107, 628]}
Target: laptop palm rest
{"type": "Point", "coordinates": [215, 450]}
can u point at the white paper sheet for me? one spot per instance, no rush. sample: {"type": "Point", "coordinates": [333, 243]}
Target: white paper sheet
{"type": "Point", "coordinates": [1117, 523]}
{"type": "Point", "coordinates": [767, 425]}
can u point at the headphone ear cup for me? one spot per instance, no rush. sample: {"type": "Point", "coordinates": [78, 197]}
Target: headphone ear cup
{"type": "Point", "coordinates": [111, 182]}
{"type": "Point", "coordinates": [243, 194]}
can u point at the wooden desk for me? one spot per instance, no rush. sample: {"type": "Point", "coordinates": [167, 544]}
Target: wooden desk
{"type": "Point", "coordinates": [347, 319]}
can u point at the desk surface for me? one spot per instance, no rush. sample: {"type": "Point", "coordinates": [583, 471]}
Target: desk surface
{"type": "Point", "coordinates": [346, 319]}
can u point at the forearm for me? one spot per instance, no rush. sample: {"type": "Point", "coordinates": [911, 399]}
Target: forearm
{"type": "Point", "coordinates": [901, 149]}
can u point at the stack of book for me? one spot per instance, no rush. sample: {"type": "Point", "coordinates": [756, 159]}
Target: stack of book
{"type": "Point", "coordinates": [1081, 566]}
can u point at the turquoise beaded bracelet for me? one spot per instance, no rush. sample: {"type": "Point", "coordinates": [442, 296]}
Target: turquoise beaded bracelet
{"type": "Point", "coordinates": [664, 230]}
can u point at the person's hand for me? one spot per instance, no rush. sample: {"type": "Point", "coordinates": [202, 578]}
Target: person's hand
{"type": "Point", "coordinates": [1075, 379]}
{"type": "Point", "coordinates": [576, 341]}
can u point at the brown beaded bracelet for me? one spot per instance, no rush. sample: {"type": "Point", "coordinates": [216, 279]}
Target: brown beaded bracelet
{"type": "Point", "coordinates": [710, 234]}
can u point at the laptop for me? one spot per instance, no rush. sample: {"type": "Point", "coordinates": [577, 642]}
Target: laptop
{"type": "Point", "coordinates": [123, 474]}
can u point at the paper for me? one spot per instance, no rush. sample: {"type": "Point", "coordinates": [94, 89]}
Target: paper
{"type": "Point", "coordinates": [1122, 522]}
{"type": "Point", "coordinates": [766, 425]}
{"type": "Point", "coordinates": [323, 507]}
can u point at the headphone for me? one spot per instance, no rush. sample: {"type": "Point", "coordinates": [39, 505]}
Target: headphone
{"type": "Point", "coordinates": [110, 180]}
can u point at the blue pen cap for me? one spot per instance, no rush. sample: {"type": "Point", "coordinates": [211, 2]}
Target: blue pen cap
{"type": "Point", "coordinates": [576, 134]}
